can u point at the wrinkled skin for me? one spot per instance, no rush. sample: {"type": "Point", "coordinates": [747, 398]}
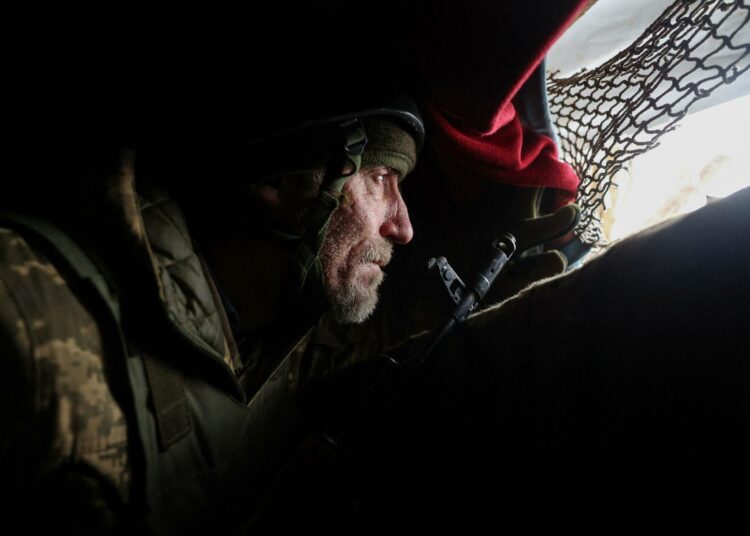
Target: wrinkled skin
{"type": "Point", "coordinates": [359, 242]}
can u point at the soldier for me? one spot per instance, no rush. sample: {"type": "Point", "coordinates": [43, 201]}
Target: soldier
{"type": "Point", "coordinates": [69, 339]}
{"type": "Point", "coordinates": [165, 347]}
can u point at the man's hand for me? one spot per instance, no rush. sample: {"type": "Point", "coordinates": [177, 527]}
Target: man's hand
{"type": "Point", "coordinates": [532, 262]}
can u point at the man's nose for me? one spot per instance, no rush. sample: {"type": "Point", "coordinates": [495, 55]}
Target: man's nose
{"type": "Point", "coordinates": [397, 225]}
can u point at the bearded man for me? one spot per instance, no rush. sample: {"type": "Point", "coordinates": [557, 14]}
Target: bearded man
{"type": "Point", "coordinates": [192, 348]}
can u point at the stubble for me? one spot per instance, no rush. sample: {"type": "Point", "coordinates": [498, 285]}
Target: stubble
{"type": "Point", "coordinates": [351, 281]}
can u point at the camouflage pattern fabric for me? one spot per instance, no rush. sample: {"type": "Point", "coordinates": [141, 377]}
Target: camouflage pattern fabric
{"type": "Point", "coordinates": [67, 447]}
{"type": "Point", "coordinates": [60, 421]}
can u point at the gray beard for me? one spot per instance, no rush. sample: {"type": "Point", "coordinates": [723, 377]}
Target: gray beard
{"type": "Point", "coordinates": [352, 302]}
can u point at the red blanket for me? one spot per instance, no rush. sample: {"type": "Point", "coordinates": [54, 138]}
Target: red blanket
{"type": "Point", "coordinates": [473, 124]}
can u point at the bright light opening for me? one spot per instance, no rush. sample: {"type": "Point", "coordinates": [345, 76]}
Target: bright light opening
{"type": "Point", "coordinates": [707, 157]}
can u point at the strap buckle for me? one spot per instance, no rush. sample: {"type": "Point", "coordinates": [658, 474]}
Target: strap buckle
{"type": "Point", "coordinates": [354, 136]}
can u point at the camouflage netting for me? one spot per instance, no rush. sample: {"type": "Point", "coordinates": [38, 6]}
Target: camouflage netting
{"type": "Point", "coordinates": [608, 115]}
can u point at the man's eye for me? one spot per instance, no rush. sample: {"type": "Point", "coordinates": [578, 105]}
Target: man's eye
{"type": "Point", "coordinates": [382, 176]}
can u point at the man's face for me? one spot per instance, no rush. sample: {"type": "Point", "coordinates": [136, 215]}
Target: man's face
{"type": "Point", "coordinates": [359, 242]}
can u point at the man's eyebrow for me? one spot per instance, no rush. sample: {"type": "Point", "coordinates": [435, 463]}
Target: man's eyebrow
{"type": "Point", "coordinates": [393, 171]}
{"type": "Point", "coordinates": [379, 169]}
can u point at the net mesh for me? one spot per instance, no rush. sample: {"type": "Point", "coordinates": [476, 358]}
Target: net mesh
{"type": "Point", "coordinates": [608, 115]}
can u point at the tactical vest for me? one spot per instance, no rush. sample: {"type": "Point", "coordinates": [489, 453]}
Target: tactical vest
{"type": "Point", "coordinates": [202, 456]}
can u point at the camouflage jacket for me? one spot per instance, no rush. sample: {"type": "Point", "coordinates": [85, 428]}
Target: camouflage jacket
{"type": "Point", "coordinates": [90, 434]}
{"type": "Point", "coordinates": [65, 435]}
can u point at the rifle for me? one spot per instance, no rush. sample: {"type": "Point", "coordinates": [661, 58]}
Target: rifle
{"type": "Point", "coordinates": [326, 450]}
{"type": "Point", "coordinates": [397, 373]}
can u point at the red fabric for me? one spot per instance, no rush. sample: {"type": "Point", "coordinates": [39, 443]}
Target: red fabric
{"type": "Point", "coordinates": [471, 119]}
{"type": "Point", "coordinates": [510, 155]}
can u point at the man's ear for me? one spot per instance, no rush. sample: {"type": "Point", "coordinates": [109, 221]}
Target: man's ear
{"type": "Point", "coordinates": [269, 194]}
{"type": "Point", "coordinates": [284, 199]}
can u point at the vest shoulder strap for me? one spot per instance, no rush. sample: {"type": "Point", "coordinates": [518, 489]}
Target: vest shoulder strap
{"type": "Point", "coordinates": [166, 384]}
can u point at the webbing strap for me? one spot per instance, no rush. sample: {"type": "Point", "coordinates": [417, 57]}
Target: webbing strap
{"type": "Point", "coordinates": [166, 384]}
{"type": "Point", "coordinates": [343, 165]}
{"type": "Point", "coordinates": [316, 224]}
{"type": "Point", "coordinates": [80, 263]}
{"type": "Point", "coordinates": [168, 396]}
